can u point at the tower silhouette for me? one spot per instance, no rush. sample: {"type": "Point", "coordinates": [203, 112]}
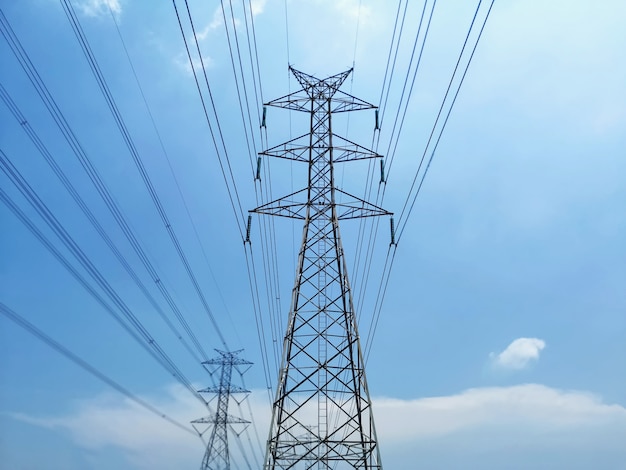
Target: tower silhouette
{"type": "Point", "coordinates": [217, 455]}
{"type": "Point", "coordinates": [322, 414]}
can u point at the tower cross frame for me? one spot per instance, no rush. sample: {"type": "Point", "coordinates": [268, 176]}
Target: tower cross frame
{"type": "Point", "coordinates": [217, 454]}
{"type": "Point", "coordinates": [322, 413]}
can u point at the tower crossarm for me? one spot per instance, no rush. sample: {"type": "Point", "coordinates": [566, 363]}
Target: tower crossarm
{"type": "Point", "coordinates": [351, 207]}
{"type": "Point", "coordinates": [344, 102]}
{"type": "Point", "coordinates": [317, 88]}
{"type": "Point", "coordinates": [314, 89]}
{"type": "Point", "coordinates": [227, 389]}
{"type": "Point", "coordinates": [287, 206]}
{"type": "Point", "coordinates": [227, 357]}
{"type": "Point", "coordinates": [300, 101]}
{"type": "Point", "coordinates": [227, 419]}
{"type": "Point", "coordinates": [298, 149]}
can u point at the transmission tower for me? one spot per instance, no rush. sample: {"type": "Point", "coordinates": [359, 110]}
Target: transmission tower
{"type": "Point", "coordinates": [322, 414]}
{"type": "Point", "coordinates": [217, 456]}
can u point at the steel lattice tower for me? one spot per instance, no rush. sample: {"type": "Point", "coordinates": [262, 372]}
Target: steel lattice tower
{"type": "Point", "coordinates": [217, 456]}
{"type": "Point", "coordinates": [322, 414]}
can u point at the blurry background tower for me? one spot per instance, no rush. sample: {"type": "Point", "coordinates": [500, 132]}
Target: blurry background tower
{"type": "Point", "coordinates": [217, 456]}
{"type": "Point", "coordinates": [322, 414]}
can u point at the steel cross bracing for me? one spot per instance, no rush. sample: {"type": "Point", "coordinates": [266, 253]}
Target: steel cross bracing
{"type": "Point", "coordinates": [322, 414]}
{"type": "Point", "coordinates": [217, 456]}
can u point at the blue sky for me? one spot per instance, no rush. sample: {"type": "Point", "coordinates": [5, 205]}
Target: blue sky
{"type": "Point", "coordinates": [501, 341]}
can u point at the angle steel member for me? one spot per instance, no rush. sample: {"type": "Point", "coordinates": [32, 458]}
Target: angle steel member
{"type": "Point", "coordinates": [217, 455]}
{"type": "Point", "coordinates": [322, 414]}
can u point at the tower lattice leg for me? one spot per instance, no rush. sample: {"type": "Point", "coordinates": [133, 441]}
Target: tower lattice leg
{"type": "Point", "coordinates": [322, 414]}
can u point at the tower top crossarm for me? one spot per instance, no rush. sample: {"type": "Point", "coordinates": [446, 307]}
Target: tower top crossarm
{"type": "Point", "coordinates": [228, 357]}
{"type": "Point", "coordinates": [321, 148]}
{"type": "Point", "coordinates": [316, 89]}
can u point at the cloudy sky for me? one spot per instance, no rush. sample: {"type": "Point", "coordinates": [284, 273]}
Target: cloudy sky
{"type": "Point", "coordinates": [501, 342]}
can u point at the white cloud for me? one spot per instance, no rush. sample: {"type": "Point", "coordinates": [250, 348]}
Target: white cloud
{"type": "Point", "coordinates": [99, 7]}
{"type": "Point", "coordinates": [217, 21]}
{"type": "Point", "coordinates": [257, 6]}
{"type": "Point", "coordinates": [144, 440]}
{"type": "Point", "coordinates": [519, 427]}
{"type": "Point", "coordinates": [532, 417]}
{"type": "Point", "coordinates": [519, 354]}
{"type": "Point", "coordinates": [530, 406]}
{"type": "Point", "coordinates": [183, 62]}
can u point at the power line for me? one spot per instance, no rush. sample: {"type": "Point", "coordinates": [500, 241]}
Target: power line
{"type": "Point", "coordinates": [76, 147]}
{"type": "Point", "coordinates": [268, 244]}
{"type": "Point", "coordinates": [364, 223]}
{"type": "Point", "coordinates": [260, 326]}
{"type": "Point", "coordinates": [393, 249]}
{"type": "Point", "coordinates": [229, 179]}
{"type": "Point", "coordinates": [391, 153]}
{"type": "Point", "coordinates": [356, 38]}
{"type": "Point", "coordinates": [58, 347]}
{"type": "Point", "coordinates": [458, 88]}
{"type": "Point", "coordinates": [395, 57]}
{"type": "Point", "coordinates": [213, 134]}
{"type": "Point", "coordinates": [256, 50]}
{"type": "Point", "coordinates": [247, 127]}
{"type": "Point", "coordinates": [244, 88]}
{"type": "Point", "coordinates": [102, 84]}
{"type": "Point", "coordinates": [225, 161]}
{"type": "Point", "coordinates": [287, 34]}
{"type": "Point", "coordinates": [21, 119]}
{"type": "Point", "coordinates": [374, 224]}
{"type": "Point", "coordinates": [138, 331]}
{"type": "Point", "coordinates": [213, 105]}
{"type": "Point", "coordinates": [269, 250]}
{"type": "Point", "coordinates": [169, 162]}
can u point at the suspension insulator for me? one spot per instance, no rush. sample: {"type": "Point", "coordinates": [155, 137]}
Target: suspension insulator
{"type": "Point", "coordinates": [382, 171]}
{"type": "Point", "coordinates": [258, 169]}
{"type": "Point", "coordinates": [248, 229]}
{"type": "Point", "coordinates": [263, 120]}
{"type": "Point", "coordinates": [393, 231]}
{"type": "Point", "coordinates": [376, 127]}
